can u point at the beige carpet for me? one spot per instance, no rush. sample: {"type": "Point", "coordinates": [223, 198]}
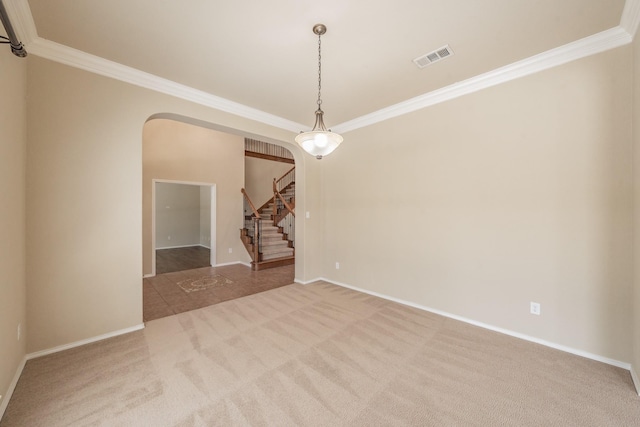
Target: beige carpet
{"type": "Point", "coordinates": [318, 355]}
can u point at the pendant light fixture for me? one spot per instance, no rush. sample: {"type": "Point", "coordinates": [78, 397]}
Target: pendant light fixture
{"type": "Point", "coordinates": [319, 141]}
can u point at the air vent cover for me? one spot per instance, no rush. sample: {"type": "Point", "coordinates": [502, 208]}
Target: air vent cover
{"type": "Point", "coordinates": [435, 56]}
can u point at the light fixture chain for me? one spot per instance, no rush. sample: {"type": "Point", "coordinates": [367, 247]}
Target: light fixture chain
{"type": "Point", "coordinates": [319, 69]}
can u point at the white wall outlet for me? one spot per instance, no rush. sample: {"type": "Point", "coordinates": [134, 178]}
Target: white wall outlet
{"type": "Point", "coordinates": [230, 250]}
{"type": "Point", "coordinates": [308, 215]}
{"type": "Point", "coordinates": [535, 308]}
{"type": "Point", "coordinates": [337, 266]}
{"type": "Point", "coordinates": [168, 237]}
{"type": "Point", "coordinates": [19, 331]}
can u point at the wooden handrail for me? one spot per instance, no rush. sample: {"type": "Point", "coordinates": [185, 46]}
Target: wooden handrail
{"type": "Point", "coordinates": [282, 177]}
{"type": "Point", "coordinates": [283, 214]}
{"type": "Point", "coordinates": [278, 195]}
{"type": "Point", "coordinates": [253, 208]}
{"type": "Point", "coordinates": [286, 205]}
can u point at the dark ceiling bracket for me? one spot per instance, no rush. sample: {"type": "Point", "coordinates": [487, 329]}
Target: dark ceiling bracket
{"type": "Point", "coordinates": [16, 47]}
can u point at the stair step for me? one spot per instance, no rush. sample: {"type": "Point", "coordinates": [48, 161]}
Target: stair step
{"type": "Point", "coordinates": [266, 244]}
{"type": "Point", "coordinates": [276, 250]}
{"type": "Point", "coordinates": [271, 263]}
{"type": "Point", "coordinates": [281, 246]}
{"type": "Point", "coordinates": [274, 242]}
{"type": "Point", "coordinates": [271, 230]}
{"type": "Point", "coordinates": [279, 254]}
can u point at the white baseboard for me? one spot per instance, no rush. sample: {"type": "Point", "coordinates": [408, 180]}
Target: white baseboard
{"type": "Point", "coordinates": [146, 276]}
{"type": "Point", "coordinates": [233, 263]}
{"type": "Point", "coordinates": [636, 380]}
{"type": "Point", "coordinates": [83, 342]}
{"type": "Point", "coordinates": [182, 246]}
{"type": "Point", "coordinates": [556, 346]}
{"type": "Point", "coordinates": [12, 387]}
{"type": "Point", "coordinates": [308, 282]}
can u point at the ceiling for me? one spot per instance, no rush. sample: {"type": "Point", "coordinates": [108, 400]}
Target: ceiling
{"type": "Point", "coordinates": [263, 54]}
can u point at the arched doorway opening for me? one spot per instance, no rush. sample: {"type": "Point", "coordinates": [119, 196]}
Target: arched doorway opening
{"type": "Point", "coordinates": [176, 150]}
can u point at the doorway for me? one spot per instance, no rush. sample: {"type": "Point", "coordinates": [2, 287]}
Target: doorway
{"type": "Point", "coordinates": [183, 223]}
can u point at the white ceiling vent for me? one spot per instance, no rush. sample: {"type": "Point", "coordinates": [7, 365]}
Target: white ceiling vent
{"type": "Point", "coordinates": [435, 56]}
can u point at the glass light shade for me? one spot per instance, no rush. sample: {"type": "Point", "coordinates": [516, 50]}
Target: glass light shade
{"type": "Point", "coordinates": [319, 143]}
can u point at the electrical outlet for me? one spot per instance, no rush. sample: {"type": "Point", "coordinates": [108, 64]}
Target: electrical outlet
{"type": "Point", "coordinates": [230, 250]}
{"type": "Point", "coordinates": [168, 237]}
{"type": "Point", "coordinates": [535, 308]}
{"type": "Point", "coordinates": [337, 266]}
{"type": "Point", "coordinates": [19, 331]}
{"type": "Point", "coordinates": [308, 215]}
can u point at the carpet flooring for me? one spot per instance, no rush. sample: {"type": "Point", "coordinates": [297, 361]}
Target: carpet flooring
{"type": "Point", "coordinates": [318, 355]}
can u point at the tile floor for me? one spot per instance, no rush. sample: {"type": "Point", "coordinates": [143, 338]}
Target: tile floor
{"type": "Point", "coordinates": [178, 259]}
{"type": "Point", "coordinates": [163, 297]}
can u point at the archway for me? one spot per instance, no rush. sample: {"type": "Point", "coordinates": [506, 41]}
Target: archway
{"type": "Point", "coordinates": [183, 150]}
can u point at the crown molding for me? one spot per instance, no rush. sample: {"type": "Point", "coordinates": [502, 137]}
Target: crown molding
{"type": "Point", "coordinates": [75, 58]}
{"type": "Point", "coordinates": [631, 17]}
{"type": "Point", "coordinates": [587, 46]}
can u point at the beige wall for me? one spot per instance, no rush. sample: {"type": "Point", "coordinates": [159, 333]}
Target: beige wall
{"type": "Point", "coordinates": [311, 202]}
{"type": "Point", "coordinates": [178, 151]}
{"type": "Point", "coordinates": [636, 215]}
{"type": "Point", "coordinates": [177, 215]}
{"type": "Point", "coordinates": [13, 141]}
{"type": "Point", "coordinates": [258, 178]}
{"type": "Point", "coordinates": [477, 206]}
{"type": "Point", "coordinates": [84, 199]}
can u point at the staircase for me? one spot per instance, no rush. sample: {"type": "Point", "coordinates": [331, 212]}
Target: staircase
{"type": "Point", "coordinates": [274, 242]}
{"type": "Point", "coordinates": [274, 246]}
